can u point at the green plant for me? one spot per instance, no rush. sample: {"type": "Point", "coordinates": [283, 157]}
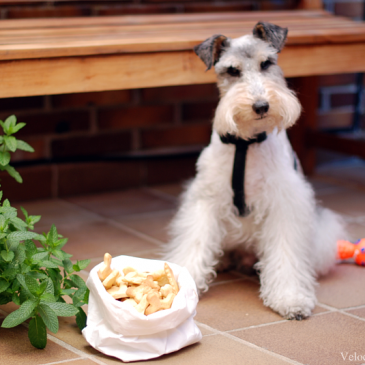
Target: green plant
{"type": "Point", "coordinates": [31, 276]}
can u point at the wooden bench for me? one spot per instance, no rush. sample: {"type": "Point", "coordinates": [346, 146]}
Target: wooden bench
{"type": "Point", "coordinates": [69, 55]}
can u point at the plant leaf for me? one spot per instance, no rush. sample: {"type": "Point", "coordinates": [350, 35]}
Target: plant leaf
{"type": "Point", "coordinates": [78, 281]}
{"type": "Point", "coordinates": [48, 264]}
{"type": "Point", "coordinates": [67, 264]}
{"type": "Point", "coordinates": [81, 319]}
{"type": "Point", "coordinates": [3, 285]}
{"type": "Point", "coordinates": [4, 158]}
{"type": "Point", "coordinates": [24, 146]}
{"type": "Point", "coordinates": [52, 235]}
{"type": "Point", "coordinates": [47, 297]}
{"type": "Point", "coordinates": [17, 127]}
{"type": "Point", "coordinates": [9, 124]}
{"type": "Point", "coordinates": [21, 280]}
{"type": "Point", "coordinates": [37, 333]}
{"type": "Point", "coordinates": [7, 255]}
{"type": "Point", "coordinates": [10, 143]}
{"type": "Point", "coordinates": [15, 299]}
{"type": "Point", "coordinates": [21, 314]}
{"type": "Point", "coordinates": [23, 235]}
{"type": "Point", "coordinates": [50, 287]}
{"type": "Point", "coordinates": [40, 256]}
{"type": "Point", "coordinates": [63, 309]}
{"type": "Point", "coordinates": [32, 284]}
{"type": "Point", "coordinates": [83, 264]}
{"type": "Point", "coordinates": [13, 173]}
{"type": "Point", "coordinates": [49, 316]}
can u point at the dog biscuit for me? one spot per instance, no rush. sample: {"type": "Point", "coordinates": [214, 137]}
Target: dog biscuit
{"type": "Point", "coordinates": [105, 269]}
{"type": "Point", "coordinates": [143, 304]}
{"type": "Point", "coordinates": [171, 277]}
{"type": "Point", "coordinates": [118, 292]}
{"type": "Point", "coordinates": [111, 279]}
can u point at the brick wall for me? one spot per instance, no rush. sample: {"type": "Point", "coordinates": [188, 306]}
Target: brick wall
{"type": "Point", "coordinates": [92, 142]}
{"type": "Point", "coordinates": [337, 92]}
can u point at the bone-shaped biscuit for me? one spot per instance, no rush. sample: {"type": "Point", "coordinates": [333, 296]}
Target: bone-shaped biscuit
{"type": "Point", "coordinates": [171, 277]}
{"type": "Point", "coordinates": [111, 279]}
{"type": "Point", "coordinates": [118, 292]}
{"type": "Point", "coordinates": [166, 290]}
{"type": "Point", "coordinates": [157, 304]}
{"type": "Point", "coordinates": [143, 304]}
{"type": "Point", "coordinates": [105, 269]}
{"type": "Point", "coordinates": [137, 292]}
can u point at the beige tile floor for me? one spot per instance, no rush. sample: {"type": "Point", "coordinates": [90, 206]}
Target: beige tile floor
{"type": "Point", "coordinates": [236, 327]}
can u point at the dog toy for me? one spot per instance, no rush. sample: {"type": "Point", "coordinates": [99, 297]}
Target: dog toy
{"type": "Point", "coordinates": [348, 250]}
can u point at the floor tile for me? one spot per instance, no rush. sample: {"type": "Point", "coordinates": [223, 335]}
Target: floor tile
{"type": "Point", "coordinates": [343, 287]}
{"type": "Point", "coordinates": [318, 340]}
{"type": "Point", "coordinates": [153, 224]}
{"type": "Point", "coordinates": [213, 350]}
{"type": "Point", "coordinates": [123, 203]}
{"type": "Point", "coordinates": [93, 240]}
{"type": "Point", "coordinates": [234, 305]}
{"type": "Point", "coordinates": [15, 349]}
{"type": "Point", "coordinates": [360, 312]}
{"type": "Point", "coordinates": [356, 231]}
{"type": "Point", "coordinates": [56, 212]}
{"type": "Point", "coordinates": [81, 362]}
{"type": "Point", "coordinates": [174, 190]}
{"type": "Point", "coordinates": [349, 202]}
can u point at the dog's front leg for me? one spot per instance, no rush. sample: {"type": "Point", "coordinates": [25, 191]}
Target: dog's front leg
{"type": "Point", "coordinates": [198, 230]}
{"type": "Point", "coordinates": [284, 249]}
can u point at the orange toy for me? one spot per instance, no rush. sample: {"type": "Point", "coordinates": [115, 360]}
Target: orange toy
{"type": "Point", "coordinates": [348, 250]}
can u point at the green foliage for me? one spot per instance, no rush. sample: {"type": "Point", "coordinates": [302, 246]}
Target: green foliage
{"type": "Point", "coordinates": [35, 277]}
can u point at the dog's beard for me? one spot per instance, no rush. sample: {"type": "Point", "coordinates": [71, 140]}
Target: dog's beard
{"type": "Point", "coordinates": [234, 114]}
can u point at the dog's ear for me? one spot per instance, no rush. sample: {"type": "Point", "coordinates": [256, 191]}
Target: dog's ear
{"type": "Point", "coordinates": [210, 50]}
{"type": "Point", "coordinates": [271, 33]}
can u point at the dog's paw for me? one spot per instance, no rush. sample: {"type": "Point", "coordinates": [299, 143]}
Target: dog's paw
{"type": "Point", "coordinates": [293, 306]}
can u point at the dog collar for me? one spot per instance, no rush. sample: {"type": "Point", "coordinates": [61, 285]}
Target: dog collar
{"type": "Point", "coordinates": [239, 165]}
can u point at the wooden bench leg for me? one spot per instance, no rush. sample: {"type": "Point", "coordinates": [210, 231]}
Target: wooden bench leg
{"type": "Point", "coordinates": [307, 92]}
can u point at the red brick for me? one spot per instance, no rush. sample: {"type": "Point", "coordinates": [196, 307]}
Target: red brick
{"type": "Point", "coordinates": [277, 5]}
{"type": "Point", "coordinates": [335, 120]}
{"type": "Point", "coordinates": [177, 136]}
{"type": "Point", "coordinates": [220, 7]}
{"type": "Point", "coordinates": [334, 80]}
{"type": "Point", "coordinates": [14, 104]}
{"type": "Point", "coordinates": [136, 9]}
{"type": "Point", "coordinates": [86, 178]}
{"type": "Point", "coordinates": [170, 170]}
{"type": "Point", "coordinates": [181, 93]}
{"type": "Point", "coordinates": [350, 9]}
{"type": "Point", "coordinates": [338, 100]}
{"type": "Point", "coordinates": [37, 184]}
{"type": "Point", "coordinates": [94, 98]}
{"type": "Point", "coordinates": [50, 123]}
{"type": "Point", "coordinates": [39, 145]}
{"type": "Point", "coordinates": [198, 111]}
{"type": "Point", "coordinates": [92, 145]}
{"type": "Point", "coordinates": [134, 117]}
{"type": "Point", "coordinates": [47, 12]}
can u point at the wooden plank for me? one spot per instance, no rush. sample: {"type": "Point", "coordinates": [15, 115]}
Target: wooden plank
{"type": "Point", "coordinates": [129, 71]}
{"type": "Point", "coordinates": [158, 19]}
{"type": "Point", "coordinates": [166, 41]}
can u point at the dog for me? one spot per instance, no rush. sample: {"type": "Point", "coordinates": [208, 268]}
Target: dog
{"type": "Point", "coordinates": [249, 192]}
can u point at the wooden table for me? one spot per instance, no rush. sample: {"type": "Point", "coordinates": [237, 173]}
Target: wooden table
{"type": "Point", "coordinates": [55, 56]}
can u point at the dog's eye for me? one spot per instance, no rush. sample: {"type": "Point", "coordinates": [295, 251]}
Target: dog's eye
{"type": "Point", "coordinates": [265, 65]}
{"type": "Point", "coordinates": [233, 71]}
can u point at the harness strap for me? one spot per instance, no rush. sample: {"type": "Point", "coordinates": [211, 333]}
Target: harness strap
{"type": "Point", "coordinates": [238, 174]}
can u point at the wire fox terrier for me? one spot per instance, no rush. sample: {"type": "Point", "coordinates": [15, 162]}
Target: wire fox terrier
{"type": "Point", "coordinates": [249, 192]}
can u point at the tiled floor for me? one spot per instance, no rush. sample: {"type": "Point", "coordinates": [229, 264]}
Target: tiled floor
{"type": "Point", "coordinates": [236, 327]}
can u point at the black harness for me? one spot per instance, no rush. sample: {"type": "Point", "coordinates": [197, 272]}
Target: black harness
{"type": "Point", "coordinates": [239, 165]}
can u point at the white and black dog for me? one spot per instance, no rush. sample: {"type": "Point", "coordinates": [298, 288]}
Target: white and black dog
{"type": "Point", "coordinates": [247, 193]}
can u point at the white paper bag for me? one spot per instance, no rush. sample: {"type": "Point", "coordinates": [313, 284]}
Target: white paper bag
{"type": "Point", "coordinates": [117, 329]}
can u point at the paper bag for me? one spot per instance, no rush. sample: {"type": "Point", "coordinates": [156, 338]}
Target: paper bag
{"type": "Point", "coordinates": [117, 329]}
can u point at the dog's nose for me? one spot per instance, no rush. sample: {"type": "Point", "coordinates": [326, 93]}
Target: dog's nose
{"type": "Point", "coordinates": [260, 107]}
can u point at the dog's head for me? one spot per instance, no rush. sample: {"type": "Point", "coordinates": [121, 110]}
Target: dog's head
{"type": "Point", "coordinates": [254, 94]}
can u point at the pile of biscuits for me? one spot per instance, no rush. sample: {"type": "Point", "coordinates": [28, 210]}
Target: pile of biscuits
{"type": "Point", "coordinates": [147, 292]}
